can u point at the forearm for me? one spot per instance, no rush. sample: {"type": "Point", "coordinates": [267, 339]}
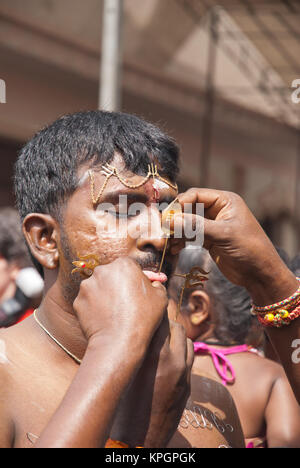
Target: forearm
{"type": "Point", "coordinates": [280, 285]}
{"type": "Point", "coordinates": [272, 282]}
{"type": "Point", "coordinates": [85, 416]}
{"type": "Point", "coordinates": [246, 256]}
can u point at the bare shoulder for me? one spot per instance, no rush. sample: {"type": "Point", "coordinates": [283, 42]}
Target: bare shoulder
{"type": "Point", "coordinates": [15, 347]}
{"type": "Point", "coordinates": [11, 353]}
{"type": "Point", "coordinates": [7, 358]}
{"type": "Point", "coordinates": [269, 368]}
{"type": "Point", "coordinates": [14, 342]}
{"type": "Point", "coordinates": [34, 377]}
{"type": "Point", "coordinates": [6, 384]}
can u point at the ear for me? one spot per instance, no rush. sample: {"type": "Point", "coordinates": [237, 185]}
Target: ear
{"type": "Point", "coordinates": [199, 307]}
{"type": "Point", "coordinates": [41, 232]}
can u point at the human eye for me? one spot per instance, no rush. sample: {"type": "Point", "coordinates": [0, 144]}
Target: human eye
{"type": "Point", "coordinates": [122, 211]}
{"type": "Point", "coordinates": [120, 214]}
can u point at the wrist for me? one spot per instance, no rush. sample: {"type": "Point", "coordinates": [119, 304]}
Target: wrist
{"type": "Point", "coordinates": [274, 286]}
{"type": "Point", "coordinates": [116, 344]}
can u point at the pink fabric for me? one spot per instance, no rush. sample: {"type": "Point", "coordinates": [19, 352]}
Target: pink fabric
{"type": "Point", "coordinates": [222, 364]}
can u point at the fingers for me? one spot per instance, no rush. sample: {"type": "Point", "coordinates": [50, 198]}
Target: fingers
{"type": "Point", "coordinates": [213, 200]}
{"type": "Point", "coordinates": [158, 285]}
{"type": "Point", "coordinates": [177, 336]}
{"type": "Point", "coordinates": [181, 344]}
{"type": "Point", "coordinates": [206, 231]}
{"type": "Point", "coordinates": [183, 347]}
{"type": "Point", "coordinates": [190, 354]}
{"type": "Point", "coordinates": [216, 202]}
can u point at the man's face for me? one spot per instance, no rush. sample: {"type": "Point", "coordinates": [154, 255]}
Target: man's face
{"type": "Point", "coordinates": [115, 227]}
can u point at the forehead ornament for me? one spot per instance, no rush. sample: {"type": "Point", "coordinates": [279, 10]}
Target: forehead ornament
{"type": "Point", "coordinates": [109, 171]}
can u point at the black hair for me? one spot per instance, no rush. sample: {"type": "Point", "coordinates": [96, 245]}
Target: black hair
{"type": "Point", "coordinates": [295, 265]}
{"type": "Point", "coordinates": [12, 244]}
{"type": "Point", "coordinates": [231, 303]}
{"type": "Point", "coordinates": [47, 167]}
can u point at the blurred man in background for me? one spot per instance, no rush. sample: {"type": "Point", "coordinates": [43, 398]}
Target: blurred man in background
{"type": "Point", "coordinates": [13, 252]}
{"type": "Point", "coordinates": [217, 318]}
{"type": "Point", "coordinates": [16, 298]}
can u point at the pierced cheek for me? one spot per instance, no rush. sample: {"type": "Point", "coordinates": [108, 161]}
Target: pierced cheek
{"type": "Point", "coordinates": [99, 243]}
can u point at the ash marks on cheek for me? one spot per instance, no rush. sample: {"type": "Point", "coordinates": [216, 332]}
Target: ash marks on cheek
{"type": "Point", "coordinates": [83, 179]}
{"type": "Point", "coordinates": [105, 248]}
{"type": "Point", "coordinates": [93, 238]}
{"type": "Point", "coordinates": [111, 249]}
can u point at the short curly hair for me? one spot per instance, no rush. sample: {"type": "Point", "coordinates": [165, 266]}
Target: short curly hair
{"type": "Point", "coordinates": [12, 243]}
{"type": "Point", "coordinates": [46, 172]}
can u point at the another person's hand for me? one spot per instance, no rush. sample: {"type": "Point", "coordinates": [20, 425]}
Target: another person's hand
{"type": "Point", "coordinates": [131, 306]}
{"type": "Point", "coordinates": [152, 407]}
{"type": "Point", "coordinates": [238, 244]}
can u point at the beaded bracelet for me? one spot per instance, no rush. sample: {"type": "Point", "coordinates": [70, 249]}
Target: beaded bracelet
{"type": "Point", "coordinates": [282, 318]}
{"type": "Point", "coordinates": [290, 301]}
{"type": "Point", "coordinates": [275, 310]}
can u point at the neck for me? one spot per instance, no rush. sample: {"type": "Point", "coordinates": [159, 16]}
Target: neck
{"type": "Point", "coordinates": [58, 317]}
{"type": "Point", "coordinates": [213, 341]}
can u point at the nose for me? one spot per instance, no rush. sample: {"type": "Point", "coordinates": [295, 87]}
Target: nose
{"type": "Point", "coordinates": [153, 235]}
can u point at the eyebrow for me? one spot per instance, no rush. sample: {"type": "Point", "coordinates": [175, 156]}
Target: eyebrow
{"type": "Point", "coordinates": [134, 196]}
{"type": "Point", "coordinates": [113, 197]}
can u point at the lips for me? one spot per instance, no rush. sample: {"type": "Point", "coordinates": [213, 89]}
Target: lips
{"type": "Point", "coordinates": [155, 276]}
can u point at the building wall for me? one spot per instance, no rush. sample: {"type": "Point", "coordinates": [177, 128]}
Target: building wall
{"type": "Point", "coordinates": [8, 152]}
{"type": "Point", "coordinates": [248, 153]}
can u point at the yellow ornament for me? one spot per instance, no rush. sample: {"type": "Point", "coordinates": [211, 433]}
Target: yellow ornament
{"type": "Point", "coordinates": [283, 313]}
{"type": "Point", "coordinates": [270, 318]}
{"type": "Point", "coordinates": [167, 216]}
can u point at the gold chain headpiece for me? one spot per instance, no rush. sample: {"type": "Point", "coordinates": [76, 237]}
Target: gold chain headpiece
{"type": "Point", "coordinates": [110, 171]}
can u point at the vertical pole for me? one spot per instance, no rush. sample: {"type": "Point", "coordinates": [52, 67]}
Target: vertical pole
{"type": "Point", "coordinates": [208, 114]}
{"type": "Point", "coordinates": [110, 69]}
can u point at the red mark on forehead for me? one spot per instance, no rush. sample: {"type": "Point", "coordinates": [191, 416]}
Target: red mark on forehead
{"type": "Point", "coordinates": [156, 194]}
{"type": "Point", "coordinates": [152, 192]}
